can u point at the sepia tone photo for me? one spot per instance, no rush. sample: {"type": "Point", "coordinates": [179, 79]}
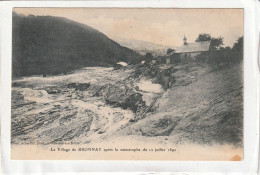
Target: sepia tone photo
{"type": "Point", "coordinates": [127, 84]}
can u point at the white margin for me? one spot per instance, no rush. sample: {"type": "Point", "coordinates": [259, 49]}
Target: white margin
{"type": "Point", "coordinates": [251, 96]}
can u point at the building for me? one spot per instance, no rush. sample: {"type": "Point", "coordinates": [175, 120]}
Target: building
{"type": "Point", "coordinates": [188, 51]}
{"type": "Point", "coordinates": [120, 65]}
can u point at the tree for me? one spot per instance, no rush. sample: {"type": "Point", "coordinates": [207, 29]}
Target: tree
{"type": "Point", "coordinates": [216, 53]}
{"type": "Point", "coordinates": [237, 49]}
{"type": "Point", "coordinates": [219, 55]}
{"type": "Point", "coordinates": [203, 37]}
{"type": "Point", "coordinates": [239, 44]}
{"type": "Point", "coordinates": [169, 51]}
{"type": "Point", "coordinates": [216, 42]}
{"type": "Point", "coordinates": [222, 55]}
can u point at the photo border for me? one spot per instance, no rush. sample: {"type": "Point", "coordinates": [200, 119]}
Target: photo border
{"type": "Point", "coordinates": [251, 95]}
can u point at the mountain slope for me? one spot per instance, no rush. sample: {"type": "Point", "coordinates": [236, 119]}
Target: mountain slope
{"type": "Point", "coordinates": [54, 45]}
{"type": "Point", "coordinates": [143, 47]}
{"type": "Point", "coordinates": [204, 106]}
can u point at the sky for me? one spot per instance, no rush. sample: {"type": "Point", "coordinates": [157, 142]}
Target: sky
{"type": "Point", "coordinates": [160, 26]}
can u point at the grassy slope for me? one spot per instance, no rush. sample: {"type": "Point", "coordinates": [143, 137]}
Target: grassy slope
{"type": "Point", "coordinates": [53, 45]}
{"type": "Point", "coordinates": [209, 110]}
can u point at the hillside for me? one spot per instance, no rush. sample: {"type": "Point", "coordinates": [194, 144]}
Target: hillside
{"type": "Point", "coordinates": [143, 47]}
{"type": "Point", "coordinates": [204, 106]}
{"type": "Point", "coordinates": [46, 45]}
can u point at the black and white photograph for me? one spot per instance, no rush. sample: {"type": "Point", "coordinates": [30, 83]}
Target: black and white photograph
{"type": "Point", "coordinates": [127, 83]}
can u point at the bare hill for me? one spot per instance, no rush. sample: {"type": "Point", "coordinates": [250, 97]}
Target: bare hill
{"type": "Point", "coordinates": [143, 47]}
{"type": "Point", "coordinates": [54, 45]}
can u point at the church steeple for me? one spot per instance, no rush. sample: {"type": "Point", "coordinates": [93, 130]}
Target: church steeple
{"type": "Point", "coordinates": [185, 40]}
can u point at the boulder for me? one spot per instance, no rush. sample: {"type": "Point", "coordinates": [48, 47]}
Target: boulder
{"type": "Point", "coordinates": [120, 95]}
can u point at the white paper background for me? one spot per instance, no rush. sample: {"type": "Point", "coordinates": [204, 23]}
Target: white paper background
{"type": "Point", "coordinates": [251, 96]}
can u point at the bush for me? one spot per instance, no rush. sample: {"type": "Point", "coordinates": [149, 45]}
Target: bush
{"type": "Point", "coordinates": [237, 50]}
{"type": "Point", "coordinates": [202, 57]}
{"type": "Point", "coordinates": [223, 55]}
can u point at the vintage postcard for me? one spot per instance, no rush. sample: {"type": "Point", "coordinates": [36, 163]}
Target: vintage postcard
{"type": "Point", "coordinates": [127, 84]}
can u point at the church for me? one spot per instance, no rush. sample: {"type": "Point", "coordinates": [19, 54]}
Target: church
{"type": "Point", "coordinates": [188, 51]}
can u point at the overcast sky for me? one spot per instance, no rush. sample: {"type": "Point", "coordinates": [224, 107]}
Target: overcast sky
{"type": "Point", "coordinates": [160, 26]}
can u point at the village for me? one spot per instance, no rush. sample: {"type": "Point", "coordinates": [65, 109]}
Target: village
{"type": "Point", "coordinates": [206, 51]}
{"type": "Point", "coordinates": [183, 54]}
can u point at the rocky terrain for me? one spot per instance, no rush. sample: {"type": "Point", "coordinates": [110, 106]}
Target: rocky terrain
{"type": "Point", "coordinates": [176, 103]}
{"type": "Point", "coordinates": [203, 106]}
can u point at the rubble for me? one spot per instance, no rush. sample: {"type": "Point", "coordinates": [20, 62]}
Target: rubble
{"type": "Point", "coordinates": [79, 86]}
{"type": "Point", "coordinates": [180, 101]}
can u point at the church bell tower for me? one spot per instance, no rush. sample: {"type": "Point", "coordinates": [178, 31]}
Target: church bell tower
{"type": "Point", "coordinates": [185, 40]}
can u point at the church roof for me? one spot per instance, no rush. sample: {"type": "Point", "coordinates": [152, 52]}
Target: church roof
{"type": "Point", "coordinates": [193, 47]}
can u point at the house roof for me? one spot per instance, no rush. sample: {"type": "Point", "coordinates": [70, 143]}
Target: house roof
{"type": "Point", "coordinates": [122, 63]}
{"type": "Point", "coordinates": [193, 47]}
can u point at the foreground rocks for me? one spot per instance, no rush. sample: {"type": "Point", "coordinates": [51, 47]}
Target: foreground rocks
{"type": "Point", "coordinates": [173, 74]}
{"type": "Point", "coordinates": [123, 96]}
